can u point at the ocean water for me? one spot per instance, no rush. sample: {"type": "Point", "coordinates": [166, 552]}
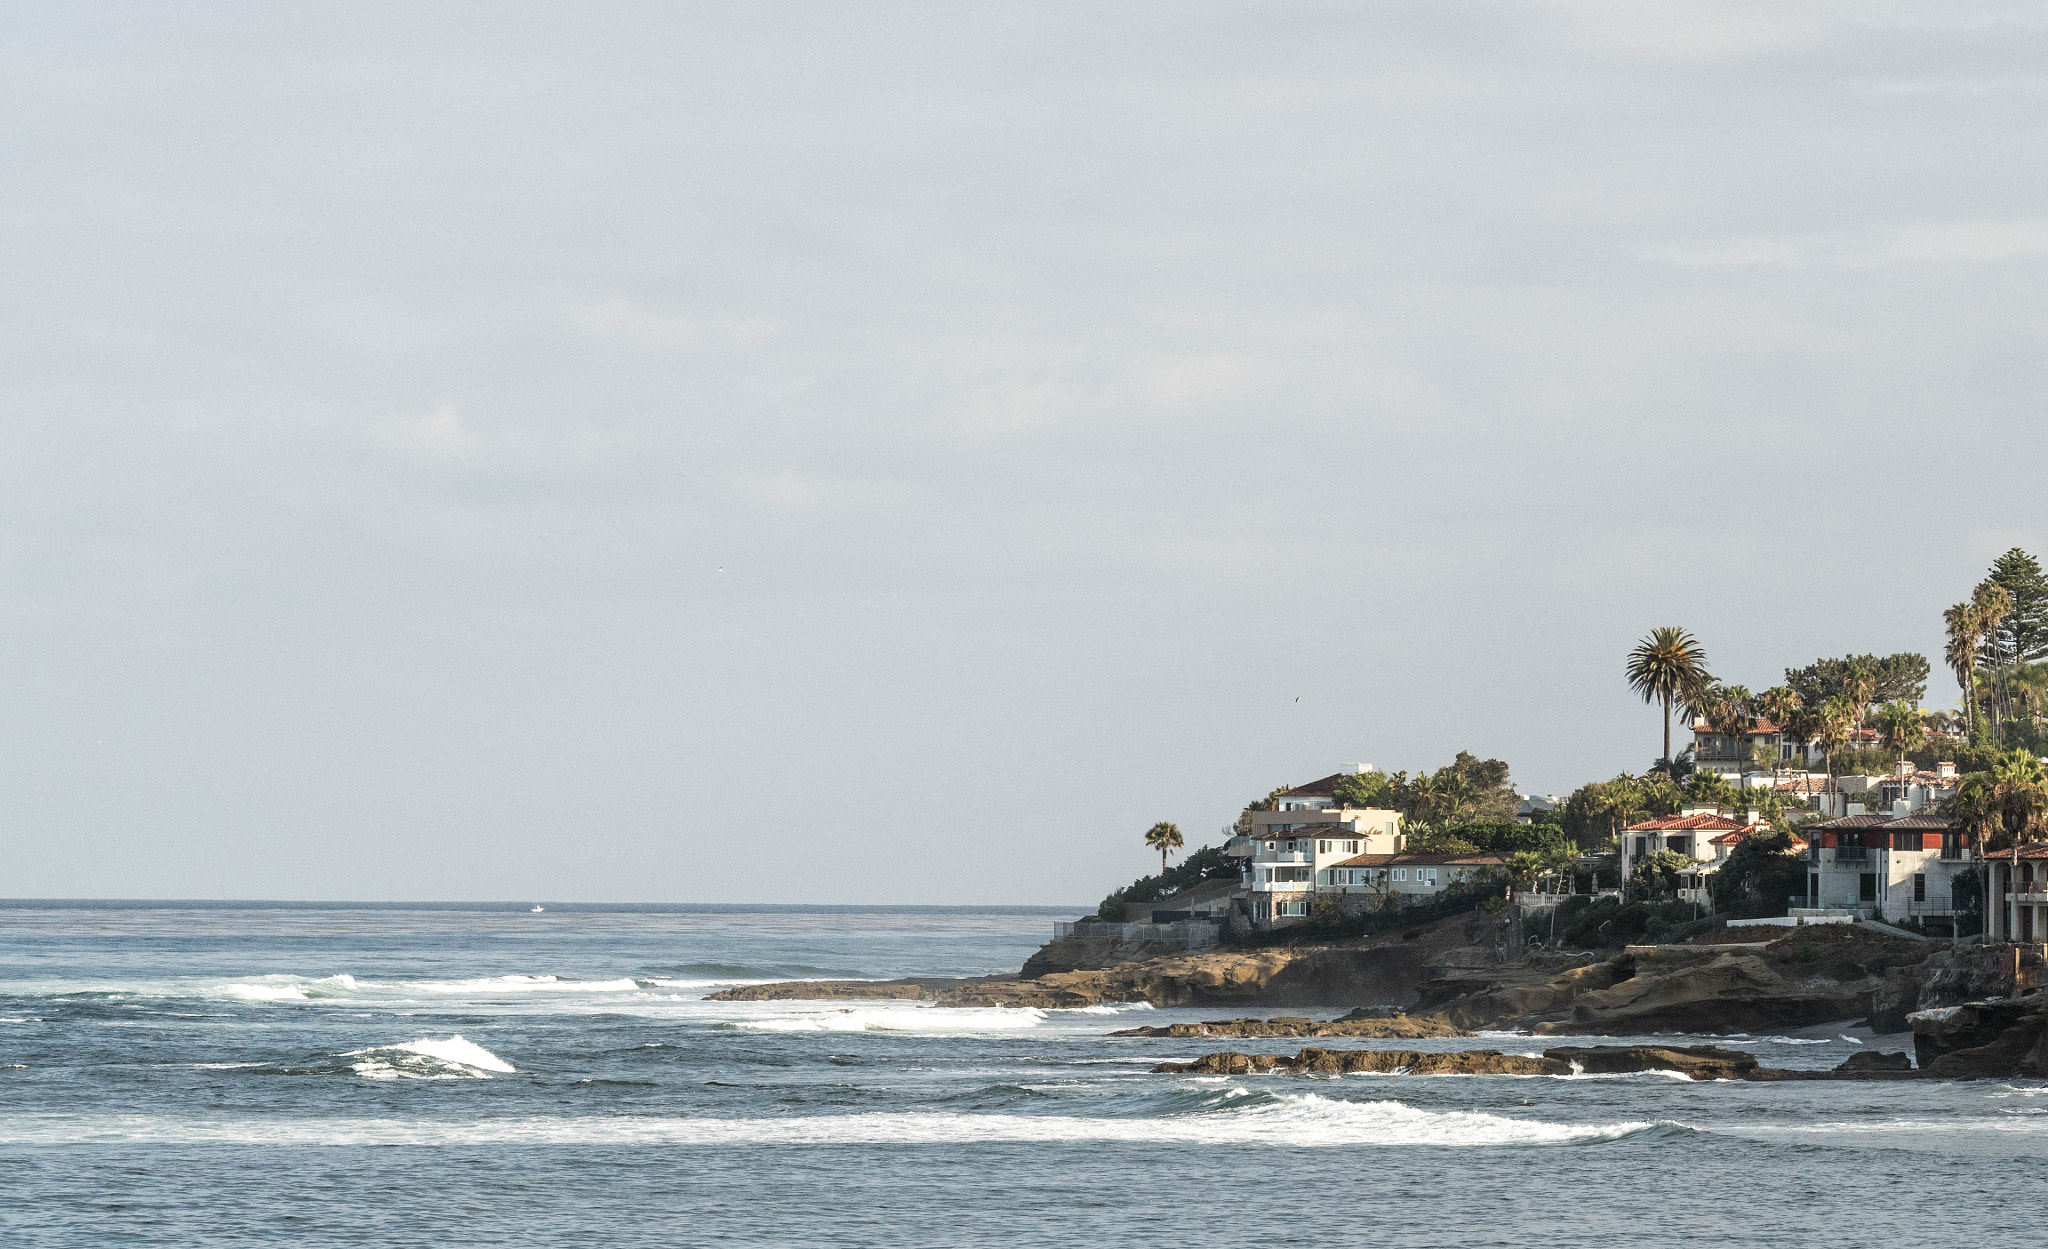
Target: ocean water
{"type": "Point", "coordinates": [448, 1076]}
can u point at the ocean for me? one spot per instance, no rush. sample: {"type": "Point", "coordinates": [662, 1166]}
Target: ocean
{"type": "Point", "coordinates": [297, 1075]}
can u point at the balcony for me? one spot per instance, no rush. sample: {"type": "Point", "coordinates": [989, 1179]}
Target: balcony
{"type": "Point", "coordinates": [1852, 854]}
{"type": "Point", "coordinates": [1283, 856]}
{"type": "Point", "coordinates": [1282, 886]}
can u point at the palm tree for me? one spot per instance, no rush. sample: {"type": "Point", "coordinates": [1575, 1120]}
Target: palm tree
{"type": "Point", "coordinates": [1993, 604]}
{"type": "Point", "coordinates": [1837, 719]}
{"type": "Point", "coordinates": [1165, 838]}
{"type": "Point", "coordinates": [1802, 724]}
{"type": "Point", "coordinates": [1668, 666]}
{"type": "Point", "coordinates": [1965, 638]}
{"type": "Point", "coordinates": [1731, 712]}
{"type": "Point", "coordinates": [1901, 728]}
{"type": "Point", "coordinates": [2009, 801]}
{"type": "Point", "coordinates": [1779, 704]}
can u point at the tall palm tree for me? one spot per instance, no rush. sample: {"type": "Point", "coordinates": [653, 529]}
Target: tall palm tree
{"type": "Point", "coordinates": [1668, 666]}
{"type": "Point", "coordinates": [1901, 728]}
{"type": "Point", "coordinates": [1993, 604]}
{"type": "Point", "coordinates": [1837, 721]}
{"type": "Point", "coordinates": [1965, 638]}
{"type": "Point", "coordinates": [1165, 838]}
{"type": "Point", "coordinates": [1859, 686]}
{"type": "Point", "coordinates": [1779, 704]}
{"type": "Point", "coordinates": [1732, 713]}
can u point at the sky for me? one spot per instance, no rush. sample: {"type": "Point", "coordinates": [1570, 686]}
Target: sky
{"type": "Point", "coordinates": [853, 452]}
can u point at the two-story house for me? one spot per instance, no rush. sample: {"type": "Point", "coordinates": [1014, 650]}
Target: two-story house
{"type": "Point", "coordinates": [1293, 846]}
{"type": "Point", "coordinates": [1899, 866]}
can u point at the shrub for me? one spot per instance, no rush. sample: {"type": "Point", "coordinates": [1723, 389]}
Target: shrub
{"type": "Point", "coordinates": [1207, 863]}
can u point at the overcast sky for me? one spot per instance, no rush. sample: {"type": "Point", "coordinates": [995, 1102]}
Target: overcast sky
{"type": "Point", "coordinates": [892, 452]}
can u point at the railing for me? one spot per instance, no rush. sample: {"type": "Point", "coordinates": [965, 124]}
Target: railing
{"type": "Point", "coordinates": [1281, 886]}
{"type": "Point", "coordinates": [1192, 933]}
{"type": "Point", "coordinates": [1852, 854]}
{"type": "Point", "coordinates": [1283, 856]}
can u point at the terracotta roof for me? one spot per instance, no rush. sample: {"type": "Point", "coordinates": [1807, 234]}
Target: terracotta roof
{"type": "Point", "coordinates": [1730, 838]}
{"type": "Point", "coordinates": [1482, 859]}
{"type": "Point", "coordinates": [1763, 727]}
{"type": "Point", "coordinates": [1805, 785]}
{"type": "Point", "coordinates": [1681, 823]}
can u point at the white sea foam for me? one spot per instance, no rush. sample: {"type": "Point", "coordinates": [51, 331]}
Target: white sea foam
{"type": "Point", "coordinates": [428, 1059]}
{"type": "Point", "coordinates": [266, 992]}
{"type": "Point", "coordinates": [1305, 1120]}
{"type": "Point", "coordinates": [1105, 1008]}
{"type": "Point", "coordinates": [909, 1019]}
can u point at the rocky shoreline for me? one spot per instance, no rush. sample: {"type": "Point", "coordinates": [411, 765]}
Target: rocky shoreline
{"type": "Point", "coordinates": [1973, 1009]}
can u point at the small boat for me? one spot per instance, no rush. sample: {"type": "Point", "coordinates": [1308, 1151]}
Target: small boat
{"type": "Point", "coordinates": [538, 908]}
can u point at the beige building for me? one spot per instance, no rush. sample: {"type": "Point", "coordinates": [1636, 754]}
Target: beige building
{"type": "Point", "coordinates": [1294, 846]}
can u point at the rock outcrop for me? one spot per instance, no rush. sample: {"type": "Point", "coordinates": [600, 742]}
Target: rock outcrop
{"type": "Point", "coordinates": [1403, 1062]}
{"type": "Point", "coordinates": [1699, 1062]}
{"type": "Point", "coordinates": [1978, 1040]}
{"type": "Point", "coordinates": [1386, 1028]}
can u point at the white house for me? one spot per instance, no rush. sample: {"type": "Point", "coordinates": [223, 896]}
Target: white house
{"type": "Point", "coordinates": [1896, 866]}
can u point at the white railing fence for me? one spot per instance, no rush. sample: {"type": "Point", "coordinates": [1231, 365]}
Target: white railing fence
{"type": "Point", "coordinates": [1189, 934]}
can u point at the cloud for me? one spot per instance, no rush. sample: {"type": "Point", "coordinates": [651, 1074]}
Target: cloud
{"type": "Point", "coordinates": [1953, 242]}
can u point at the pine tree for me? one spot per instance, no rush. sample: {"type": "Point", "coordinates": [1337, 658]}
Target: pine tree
{"type": "Point", "coordinates": [2023, 636]}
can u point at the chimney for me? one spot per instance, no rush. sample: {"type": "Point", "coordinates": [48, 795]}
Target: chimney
{"type": "Point", "coordinates": [1856, 808]}
{"type": "Point", "coordinates": [1905, 767]}
{"type": "Point", "coordinates": [1944, 769]}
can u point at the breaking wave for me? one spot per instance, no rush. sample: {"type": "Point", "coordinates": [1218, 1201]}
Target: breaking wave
{"type": "Point", "coordinates": [1236, 1118]}
{"type": "Point", "coordinates": [344, 986]}
{"type": "Point", "coordinates": [428, 1059]}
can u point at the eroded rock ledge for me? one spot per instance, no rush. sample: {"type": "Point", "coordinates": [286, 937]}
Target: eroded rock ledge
{"type": "Point", "coordinates": [1359, 1023]}
{"type": "Point", "coordinates": [1701, 1062]}
{"type": "Point", "coordinates": [1698, 1062]}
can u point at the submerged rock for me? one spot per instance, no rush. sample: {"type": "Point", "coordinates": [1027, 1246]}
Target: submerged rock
{"type": "Point", "coordinates": [1869, 1060]}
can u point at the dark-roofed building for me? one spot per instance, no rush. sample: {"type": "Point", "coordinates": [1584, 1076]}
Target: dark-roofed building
{"type": "Point", "coordinates": [1896, 868]}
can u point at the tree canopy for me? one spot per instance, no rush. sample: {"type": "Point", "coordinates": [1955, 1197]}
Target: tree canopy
{"type": "Point", "coordinates": [1889, 677]}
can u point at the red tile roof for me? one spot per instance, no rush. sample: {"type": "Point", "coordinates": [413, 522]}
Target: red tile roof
{"type": "Point", "coordinates": [1682, 823]}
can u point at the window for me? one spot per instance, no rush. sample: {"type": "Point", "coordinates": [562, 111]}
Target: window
{"type": "Point", "coordinates": [1866, 887]}
{"type": "Point", "coordinates": [1401, 873]}
{"type": "Point", "coordinates": [1294, 908]}
{"type": "Point", "coordinates": [1351, 847]}
{"type": "Point", "coordinates": [1681, 844]}
{"type": "Point", "coordinates": [1322, 847]}
{"type": "Point", "coordinates": [1919, 886]}
{"type": "Point", "coordinates": [1419, 874]}
{"type": "Point", "coordinates": [1642, 847]}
